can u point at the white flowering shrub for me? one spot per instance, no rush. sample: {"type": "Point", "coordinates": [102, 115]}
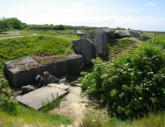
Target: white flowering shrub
{"type": "Point", "coordinates": [132, 85]}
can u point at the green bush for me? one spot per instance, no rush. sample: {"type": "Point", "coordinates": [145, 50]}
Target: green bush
{"type": "Point", "coordinates": [132, 85]}
{"type": "Point", "coordinates": [11, 23]}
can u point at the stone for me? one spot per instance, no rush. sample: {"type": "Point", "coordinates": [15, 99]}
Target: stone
{"type": "Point", "coordinates": [42, 96]}
{"type": "Point", "coordinates": [101, 43]}
{"type": "Point", "coordinates": [39, 81]}
{"type": "Point", "coordinates": [122, 33]}
{"type": "Point", "coordinates": [139, 36]}
{"type": "Point", "coordinates": [79, 32]}
{"type": "Point", "coordinates": [23, 71]}
{"type": "Point", "coordinates": [61, 86]}
{"type": "Point", "coordinates": [128, 33]}
{"type": "Point", "coordinates": [108, 30]}
{"type": "Point", "coordinates": [49, 78]}
{"type": "Point", "coordinates": [26, 89]}
{"type": "Point", "coordinates": [91, 35]}
{"type": "Point", "coordinates": [85, 48]}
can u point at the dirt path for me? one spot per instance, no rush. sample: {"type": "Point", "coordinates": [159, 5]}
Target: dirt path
{"type": "Point", "coordinates": [74, 106]}
{"type": "Point", "coordinates": [4, 38]}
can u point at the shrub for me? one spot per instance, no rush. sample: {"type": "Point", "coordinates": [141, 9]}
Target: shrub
{"type": "Point", "coordinates": [132, 85]}
{"type": "Point", "coordinates": [11, 23]}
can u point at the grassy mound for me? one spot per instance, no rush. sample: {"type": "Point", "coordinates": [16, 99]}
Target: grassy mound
{"type": "Point", "coordinates": [122, 46]}
{"type": "Point", "coordinates": [19, 47]}
{"type": "Point", "coordinates": [132, 85]}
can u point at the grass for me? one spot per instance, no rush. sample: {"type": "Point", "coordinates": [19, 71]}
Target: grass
{"type": "Point", "coordinates": [19, 47]}
{"type": "Point", "coordinates": [122, 46]}
{"type": "Point", "coordinates": [158, 35]}
{"type": "Point", "coordinates": [27, 116]}
{"type": "Point", "coordinates": [27, 32]}
{"type": "Point", "coordinates": [152, 120]}
{"type": "Point", "coordinates": [53, 104]}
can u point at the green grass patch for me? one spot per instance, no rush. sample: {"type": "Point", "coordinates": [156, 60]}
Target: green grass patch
{"type": "Point", "coordinates": [122, 46]}
{"type": "Point", "coordinates": [95, 120]}
{"type": "Point", "coordinates": [157, 35]}
{"type": "Point", "coordinates": [26, 116]}
{"type": "Point", "coordinates": [19, 47]}
{"type": "Point", "coordinates": [53, 104]}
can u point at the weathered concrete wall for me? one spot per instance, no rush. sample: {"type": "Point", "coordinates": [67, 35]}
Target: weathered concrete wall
{"type": "Point", "coordinates": [23, 71]}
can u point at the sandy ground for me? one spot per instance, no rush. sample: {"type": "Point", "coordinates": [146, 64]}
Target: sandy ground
{"type": "Point", "coordinates": [75, 106]}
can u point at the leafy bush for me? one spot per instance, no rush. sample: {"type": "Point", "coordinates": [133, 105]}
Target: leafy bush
{"type": "Point", "coordinates": [132, 85]}
{"type": "Point", "coordinates": [11, 23]}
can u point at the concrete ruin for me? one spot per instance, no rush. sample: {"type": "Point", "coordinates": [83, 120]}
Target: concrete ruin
{"type": "Point", "coordinates": [23, 71]}
{"type": "Point", "coordinates": [42, 96]}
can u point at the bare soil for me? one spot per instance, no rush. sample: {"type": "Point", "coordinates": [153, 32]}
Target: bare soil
{"type": "Point", "coordinates": [75, 106]}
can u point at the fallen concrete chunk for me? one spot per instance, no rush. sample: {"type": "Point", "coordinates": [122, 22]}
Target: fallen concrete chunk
{"type": "Point", "coordinates": [40, 97]}
{"type": "Point", "coordinates": [27, 88]}
{"type": "Point", "coordinates": [101, 43]}
{"type": "Point", "coordinates": [122, 33]}
{"type": "Point", "coordinates": [85, 48]}
{"type": "Point", "coordinates": [23, 71]}
{"type": "Point", "coordinates": [61, 86]}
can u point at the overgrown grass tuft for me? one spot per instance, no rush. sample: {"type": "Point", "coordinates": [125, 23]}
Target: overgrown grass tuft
{"type": "Point", "coordinates": [53, 104]}
{"type": "Point", "coordinates": [122, 46]}
{"type": "Point", "coordinates": [95, 120]}
{"type": "Point", "coordinates": [25, 116]}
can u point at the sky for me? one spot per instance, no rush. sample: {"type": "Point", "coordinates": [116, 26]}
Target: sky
{"type": "Point", "coordinates": [135, 14]}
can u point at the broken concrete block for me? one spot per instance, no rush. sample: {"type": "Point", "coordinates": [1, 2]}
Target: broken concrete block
{"type": "Point", "coordinates": [27, 88]}
{"type": "Point", "coordinates": [85, 48]}
{"type": "Point", "coordinates": [23, 71]}
{"type": "Point", "coordinates": [42, 96]}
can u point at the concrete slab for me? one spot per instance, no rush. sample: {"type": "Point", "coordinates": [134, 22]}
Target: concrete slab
{"type": "Point", "coordinates": [42, 96]}
{"type": "Point", "coordinates": [60, 86]}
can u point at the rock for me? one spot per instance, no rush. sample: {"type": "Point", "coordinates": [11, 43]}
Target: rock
{"type": "Point", "coordinates": [139, 36]}
{"type": "Point", "coordinates": [108, 30]}
{"type": "Point", "coordinates": [111, 35]}
{"type": "Point", "coordinates": [79, 32]}
{"type": "Point", "coordinates": [26, 89]}
{"type": "Point", "coordinates": [101, 43]}
{"type": "Point", "coordinates": [85, 48]}
{"type": "Point", "coordinates": [23, 71]}
{"type": "Point", "coordinates": [16, 93]}
{"type": "Point", "coordinates": [20, 71]}
{"type": "Point", "coordinates": [91, 35]}
{"type": "Point", "coordinates": [127, 33]}
{"type": "Point", "coordinates": [144, 38]}
{"type": "Point", "coordinates": [63, 80]}
{"type": "Point", "coordinates": [122, 33]}
{"type": "Point", "coordinates": [39, 81]}
{"type": "Point", "coordinates": [49, 78]}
